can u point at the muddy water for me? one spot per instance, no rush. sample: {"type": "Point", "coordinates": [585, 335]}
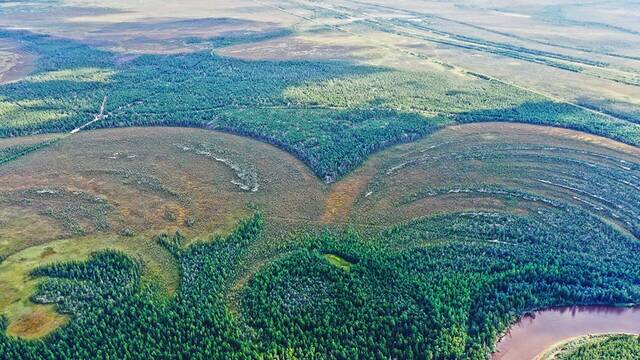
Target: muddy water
{"type": "Point", "coordinates": [533, 334]}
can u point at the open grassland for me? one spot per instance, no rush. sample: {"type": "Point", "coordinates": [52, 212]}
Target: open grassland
{"type": "Point", "coordinates": [585, 54]}
{"type": "Point", "coordinates": [604, 347]}
{"type": "Point", "coordinates": [140, 28]}
{"type": "Point", "coordinates": [14, 63]}
{"type": "Point", "coordinates": [10, 153]}
{"type": "Point", "coordinates": [497, 165]}
{"type": "Point", "coordinates": [139, 179]}
{"type": "Point", "coordinates": [119, 188]}
{"type": "Point", "coordinates": [586, 63]}
{"type": "Point", "coordinates": [329, 114]}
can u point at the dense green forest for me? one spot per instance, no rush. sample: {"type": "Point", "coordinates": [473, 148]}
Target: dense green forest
{"type": "Point", "coordinates": [607, 347]}
{"type": "Point", "coordinates": [442, 287]}
{"type": "Point", "coordinates": [330, 114]}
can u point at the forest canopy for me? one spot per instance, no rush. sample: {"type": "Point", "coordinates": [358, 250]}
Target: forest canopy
{"type": "Point", "coordinates": [404, 293]}
{"type": "Point", "coordinates": [330, 114]}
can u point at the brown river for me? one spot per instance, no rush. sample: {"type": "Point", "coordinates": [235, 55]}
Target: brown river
{"type": "Point", "coordinates": [533, 334]}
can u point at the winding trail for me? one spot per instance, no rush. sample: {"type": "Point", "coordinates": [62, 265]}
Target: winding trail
{"type": "Point", "coordinates": [96, 118]}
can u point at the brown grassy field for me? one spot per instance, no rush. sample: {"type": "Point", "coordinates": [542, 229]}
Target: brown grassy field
{"type": "Point", "coordinates": [14, 63]}
{"type": "Point", "coordinates": [145, 27]}
{"type": "Point", "coordinates": [599, 39]}
{"type": "Point", "coordinates": [495, 155]}
{"type": "Point", "coordinates": [118, 188]}
{"type": "Point", "coordinates": [156, 179]}
{"type": "Point", "coordinates": [463, 34]}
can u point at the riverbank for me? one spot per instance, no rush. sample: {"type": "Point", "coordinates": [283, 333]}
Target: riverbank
{"type": "Point", "coordinates": [538, 332]}
{"type": "Point", "coordinates": [579, 345]}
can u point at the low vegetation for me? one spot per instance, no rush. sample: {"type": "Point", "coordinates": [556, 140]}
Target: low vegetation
{"type": "Point", "coordinates": [246, 176]}
{"type": "Point", "coordinates": [10, 153]}
{"type": "Point", "coordinates": [566, 62]}
{"type": "Point", "coordinates": [75, 211]}
{"type": "Point", "coordinates": [494, 166]}
{"type": "Point", "coordinates": [331, 115]}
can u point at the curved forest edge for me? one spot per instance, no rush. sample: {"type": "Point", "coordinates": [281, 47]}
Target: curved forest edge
{"type": "Point", "coordinates": [411, 148]}
{"type": "Point", "coordinates": [443, 300]}
{"type": "Point", "coordinates": [441, 286]}
{"type": "Point", "coordinates": [320, 111]}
